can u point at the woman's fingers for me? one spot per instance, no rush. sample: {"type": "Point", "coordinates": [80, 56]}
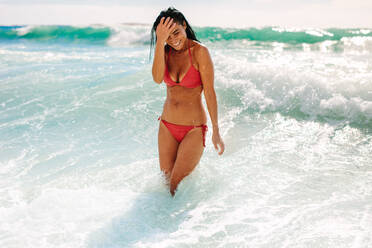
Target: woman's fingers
{"type": "Point", "coordinates": [219, 146]}
{"type": "Point", "coordinates": [169, 22]}
{"type": "Point", "coordinates": [222, 148]}
{"type": "Point", "coordinates": [173, 26]}
{"type": "Point", "coordinates": [166, 22]}
{"type": "Point", "coordinates": [215, 146]}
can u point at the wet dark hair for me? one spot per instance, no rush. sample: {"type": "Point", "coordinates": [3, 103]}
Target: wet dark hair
{"type": "Point", "coordinates": [177, 17]}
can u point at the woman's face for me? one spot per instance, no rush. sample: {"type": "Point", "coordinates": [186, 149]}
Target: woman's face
{"type": "Point", "coordinates": [177, 37]}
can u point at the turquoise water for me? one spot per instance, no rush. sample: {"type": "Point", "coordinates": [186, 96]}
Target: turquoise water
{"type": "Point", "coordinates": [78, 141]}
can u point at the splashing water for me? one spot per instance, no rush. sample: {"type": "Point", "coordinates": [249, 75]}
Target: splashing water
{"type": "Point", "coordinates": [78, 141]}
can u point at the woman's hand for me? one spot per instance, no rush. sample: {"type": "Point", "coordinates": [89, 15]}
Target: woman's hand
{"type": "Point", "coordinates": [217, 141]}
{"type": "Point", "coordinates": [164, 28]}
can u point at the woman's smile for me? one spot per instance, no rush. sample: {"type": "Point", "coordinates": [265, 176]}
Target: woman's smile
{"type": "Point", "coordinates": [177, 43]}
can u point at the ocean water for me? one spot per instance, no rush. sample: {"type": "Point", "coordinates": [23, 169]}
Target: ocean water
{"type": "Point", "coordinates": [78, 141]}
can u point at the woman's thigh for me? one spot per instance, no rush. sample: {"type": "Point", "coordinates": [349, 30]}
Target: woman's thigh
{"type": "Point", "coordinates": [189, 153]}
{"type": "Point", "coordinates": [167, 147]}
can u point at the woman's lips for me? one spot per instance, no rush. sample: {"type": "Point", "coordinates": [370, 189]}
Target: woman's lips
{"type": "Point", "coordinates": [177, 44]}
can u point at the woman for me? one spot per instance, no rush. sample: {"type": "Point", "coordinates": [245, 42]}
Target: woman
{"type": "Point", "coordinates": [186, 67]}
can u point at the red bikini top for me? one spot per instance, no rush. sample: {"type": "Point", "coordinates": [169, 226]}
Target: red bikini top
{"type": "Point", "coordinates": [191, 79]}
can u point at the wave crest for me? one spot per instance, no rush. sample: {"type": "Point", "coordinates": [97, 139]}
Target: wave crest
{"type": "Point", "coordinates": [126, 34]}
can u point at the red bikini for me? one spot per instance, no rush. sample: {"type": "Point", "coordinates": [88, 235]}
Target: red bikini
{"type": "Point", "coordinates": [180, 131]}
{"type": "Point", "coordinates": [191, 79]}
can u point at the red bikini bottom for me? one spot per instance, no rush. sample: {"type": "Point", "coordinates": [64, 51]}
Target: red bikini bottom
{"type": "Point", "coordinates": [179, 131]}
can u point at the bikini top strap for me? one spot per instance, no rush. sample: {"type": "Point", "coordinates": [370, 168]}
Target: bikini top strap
{"type": "Point", "coordinates": [190, 52]}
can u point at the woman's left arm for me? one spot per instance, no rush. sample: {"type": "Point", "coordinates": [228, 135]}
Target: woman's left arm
{"type": "Point", "coordinates": [207, 75]}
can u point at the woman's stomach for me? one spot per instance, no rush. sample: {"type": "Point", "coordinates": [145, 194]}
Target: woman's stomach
{"type": "Point", "coordinates": [184, 106]}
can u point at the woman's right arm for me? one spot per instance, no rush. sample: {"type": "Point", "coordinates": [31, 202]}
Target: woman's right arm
{"type": "Point", "coordinates": [162, 33]}
{"type": "Point", "coordinates": [158, 66]}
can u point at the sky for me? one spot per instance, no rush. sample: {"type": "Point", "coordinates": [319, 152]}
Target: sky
{"type": "Point", "coordinates": [222, 13]}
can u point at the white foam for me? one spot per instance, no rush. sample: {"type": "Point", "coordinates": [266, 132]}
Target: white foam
{"type": "Point", "coordinates": [25, 30]}
{"type": "Point", "coordinates": [59, 213]}
{"type": "Point", "coordinates": [318, 32]}
{"type": "Point", "coordinates": [361, 31]}
{"type": "Point", "coordinates": [357, 44]}
{"type": "Point", "coordinates": [129, 34]}
{"type": "Point", "coordinates": [282, 83]}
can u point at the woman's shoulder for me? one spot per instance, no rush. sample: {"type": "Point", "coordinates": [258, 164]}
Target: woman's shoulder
{"type": "Point", "coordinates": [197, 46]}
{"type": "Point", "coordinates": [199, 49]}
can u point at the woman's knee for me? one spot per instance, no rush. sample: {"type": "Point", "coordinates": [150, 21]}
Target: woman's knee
{"type": "Point", "coordinates": [177, 175]}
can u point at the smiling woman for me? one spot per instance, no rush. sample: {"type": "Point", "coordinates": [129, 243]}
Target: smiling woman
{"type": "Point", "coordinates": [78, 144]}
{"type": "Point", "coordinates": [186, 67]}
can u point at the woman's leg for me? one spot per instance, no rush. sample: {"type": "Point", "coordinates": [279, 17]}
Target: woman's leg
{"type": "Point", "coordinates": [167, 147]}
{"type": "Point", "coordinates": [189, 153]}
